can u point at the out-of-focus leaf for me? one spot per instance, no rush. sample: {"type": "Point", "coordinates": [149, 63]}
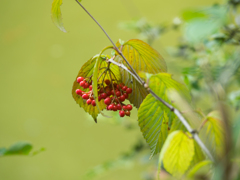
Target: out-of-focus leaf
{"type": "Point", "coordinates": [178, 153]}
{"type": "Point", "coordinates": [195, 170]}
{"type": "Point", "coordinates": [155, 120]}
{"type": "Point", "coordinates": [57, 15]}
{"type": "Point", "coordinates": [2, 151]}
{"type": "Point", "coordinates": [214, 133]}
{"type": "Point", "coordinates": [19, 148]}
{"type": "Point", "coordinates": [141, 57]}
{"type": "Point", "coordinates": [198, 155]}
{"type": "Point", "coordinates": [87, 71]}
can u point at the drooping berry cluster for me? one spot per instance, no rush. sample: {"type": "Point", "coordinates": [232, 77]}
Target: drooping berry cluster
{"type": "Point", "coordinates": [111, 93]}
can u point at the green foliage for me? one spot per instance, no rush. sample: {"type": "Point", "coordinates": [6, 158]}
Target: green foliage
{"type": "Point", "coordinates": [57, 15]}
{"type": "Point", "coordinates": [141, 57]}
{"type": "Point", "coordinates": [198, 168]}
{"type": "Point", "coordinates": [19, 148]}
{"type": "Point", "coordinates": [154, 118]}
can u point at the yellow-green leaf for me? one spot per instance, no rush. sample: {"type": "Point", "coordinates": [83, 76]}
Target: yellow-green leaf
{"type": "Point", "coordinates": [57, 15]}
{"type": "Point", "coordinates": [204, 166]}
{"type": "Point", "coordinates": [87, 71]}
{"type": "Point", "coordinates": [155, 120]}
{"type": "Point", "coordinates": [141, 57]}
{"type": "Point", "coordinates": [178, 153]}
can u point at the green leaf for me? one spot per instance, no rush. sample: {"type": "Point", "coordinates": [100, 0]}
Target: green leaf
{"type": "Point", "coordinates": [178, 153]}
{"type": "Point", "coordinates": [87, 71]}
{"type": "Point", "coordinates": [2, 151]}
{"type": "Point", "coordinates": [203, 164]}
{"type": "Point", "coordinates": [141, 57]}
{"type": "Point", "coordinates": [213, 132]}
{"type": "Point", "coordinates": [57, 15]}
{"type": "Point", "coordinates": [19, 148]}
{"type": "Point", "coordinates": [154, 119]}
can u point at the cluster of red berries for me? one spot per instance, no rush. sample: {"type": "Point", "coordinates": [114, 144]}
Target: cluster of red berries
{"type": "Point", "coordinates": [113, 95]}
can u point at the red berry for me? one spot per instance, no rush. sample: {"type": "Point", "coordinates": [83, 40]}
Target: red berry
{"type": "Point", "coordinates": [100, 91]}
{"type": "Point", "coordinates": [79, 79]}
{"type": "Point", "coordinates": [93, 103]}
{"type": "Point", "coordinates": [85, 96]}
{"type": "Point", "coordinates": [107, 101]}
{"type": "Point", "coordinates": [121, 85]}
{"type": "Point", "coordinates": [118, 93]}
{"type": "Point", "coordinates": [79, 92]}
{"type": "Point", "coordinates": [129, 90]}
{"type": "Point", "coordinates": [107, 82]}
{"type": "Point", "coordinates": [129, 107]}
{"type": "Point", "coordinates": [103, 95]}
{"type": "Point", "coordinates": [86, 85]}
{"type": "Point", "coordinates": [125, 107]}
{"type": "Point", "coordinates": [82, 83]}
{"type": "Point", "coordinates": [121, 113]}
{"type": "Point", "coordinates": [127, 113]}
{"type": "Point", "coordinates": [126, 95]}
{"type": "Point", "coordinates": [89, 101]}
{"type": "Point", "coordinates": [114, 108]}
{"type": "Point", "coordinates": [122, 98]}
{"type": "Point", "coordinates": [90, 87]}
{"type": "Point", "coordinates": [109, 93]}
{"type": "Point", "coordinates": [119, 107]}
{"type": "Point", "coordinates": [110, 107]}
{"type": "Point", "coordinates": [124, 88]}
{"type": "Point", "coordinates": [112, 92]}
{"type": "Point", "coordinates": [99, 98]}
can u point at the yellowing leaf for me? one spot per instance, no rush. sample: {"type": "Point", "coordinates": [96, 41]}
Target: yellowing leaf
{"type": "Point", "coordinates": [178, 153]}
{"type": "Point", "coordinates": [154, 119]}
{"type": "Point", "coordinates": [141, 57]}
{"type": "Point", "coordinates": [87, 71]}
{"type": "Point", "coordinates": [57, 15]}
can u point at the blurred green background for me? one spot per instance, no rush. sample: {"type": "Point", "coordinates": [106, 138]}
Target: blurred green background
{"type": "Point", "coordinates": [38, 66]}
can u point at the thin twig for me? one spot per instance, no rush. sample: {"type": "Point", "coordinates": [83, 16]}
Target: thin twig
{"type": "Point", "coordinates": [137, 77]}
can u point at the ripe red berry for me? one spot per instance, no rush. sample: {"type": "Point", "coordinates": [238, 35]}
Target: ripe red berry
{"type": "Point", "coordinates": [90, 87]}
{"type": "Point", "coordinates": [112, 92]}
{"type": "Point", "coordinates": [114, 108]}
{"type": "Point", "coordinates": [93, 103]}
{"type": "Point", "coordinates": [107, 82]}
{"type": "Point", "coordinates": [124, 88]}
{"type": "Point", "coordinates": [109, 93]}
{"type": "Point", "coordinates": [89, 101]}
{"type": "Point", "coordinates": [122, 98]}
{"type": "Point", "coordinates": [79, 79]}
{"type": "Point", "coordinates": [82, 83]}
{"type": "Point", "coordinates": [118, 93]}
{"type": "Point", "coordinates": [107, 101]}
{"type": "Point", "coordinates": [121, 85]}
{"type": "Point", "coordinates": [119, 107]}
{"type": "Point", "coordinates": [129, 107]}
{"type": "Point", "coordinates": [79, 92]}
{"type": "Point", "coordinates": [126, 95]}
{"type": "Point", "coordinates": [103, 95]}
{"type": "Point", "coordinates": [86, 85]}
{"type": "Point", "coordinates": [127, 113]}
{"type": "Point", "coordinates": [121, 113]}
{"type": "Point", "coordinates": [129, 90]}
{"type": "Point", "coordinates": [85, 96]}
{"type": "Point", "coordinates": [125, 107]}
{"type": "Point", "coordinates": [110, 107]}
{"type": "Point", "coordinates": [99, 98]}
{"type": "Point", "coordinates": [100, 91]}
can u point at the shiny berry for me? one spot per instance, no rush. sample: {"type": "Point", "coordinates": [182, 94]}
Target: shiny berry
{"type": "Point", "coordinates": [118, 93]}
{"type": "Point", "coordinates": [107, 101]}
{"type": "Point", "coordinates": [127, 113]}
{"type": "Point", "coordinates": [99, 98]}
{"type": "Point", "coordinates": [119, 107]}
{"type": "Point", "coordinates": [103, 95]}
{"type": "Point", "coordinates": [82, 83]}
{"type": "Point", "coordinates": [86, 85]}
{"type": "Point", "coordinates": [90, 87]}
{"type": "Point", "coordinates": [122, 98]}
{"type": "Point", "coordinates": [129, 107]}
{"type": "Point", "coordinates": [110, 107]}
{"type": "Point", "coordinates": [114, 108]}
{"type": "Point", "coordinates": [85, 96]}
{"type": "Point", "coordinates": [89, 101]}
{"type": "Point", "coordinates": [124, 88]}
{"type": "Point", "coordinates": [129, 90]}
{"type": "Point", "coordinates": [79, 92]}
{"type": "Point", "coordinates": [112, 92]}
{"type": "Point", "coordinates": [107, 82]}
{"type": "Point", "coordinates": [79, 79]}
{"type": "Point", "coordinates": [121, 113]}
{"type": "Point", "coordinates": [125, 107]}
{"type": "Point", "coordinates": [93, 103]}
